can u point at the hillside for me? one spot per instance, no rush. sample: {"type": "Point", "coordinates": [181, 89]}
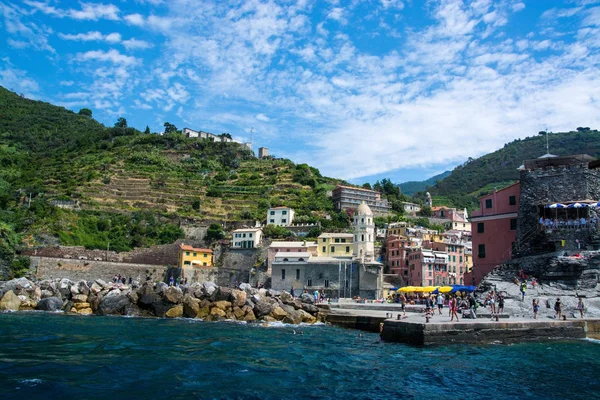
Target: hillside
{"type": "Point", "coordinates": [480, 176]}
{"type": "Point", "coordinates": [67, 179]}
{"type": "Point", "coordinates": [412, 187]}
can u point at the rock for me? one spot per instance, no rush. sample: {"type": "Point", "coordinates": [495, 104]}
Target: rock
{"type": "Point", "coordinates": [191, 306]}
{"type": "Point", "coordinates": [262, 308]}
{"type": "Point", "coordinates": [17, 284]}
{"type": "Point", "coordinates": [239, 298]}
{"type": "Point", "coordinates": [133, 296]}
{"type": "Point", "coordinates": [74, 290]}
{"type": "Point", "coordinates": [113, 293]}
{"type": "Point", "coordinates": [203, 312]}
{"type": "Point", "coordinates": [80, 298]}
{"type": "Point", "coordinates": [224, 294]}
{"type": "Point", "coordinates": [307, 298]}
{"type": "Point", "coordinates": [146, 300]}
{"type": "Point", "coordinates": [249, 316]}
{"type": "Point", "coordinates": [28, 305]}
{"type": "Point", "coordinates": [81, 306]}
{"type": "Point", "coordinates": [297, 304]}
{"type": "Point", "coordinates": [83, 287]}
{"type": "Point", "coordinates": [195, 289]}
{"type": "Point", "coordinates": [64, 287]}
{"type": "Point", "coordinates": [262, 292]}
{"type": "Point", "coordinates": [85, 311]}
{"type": "Point", "coordinates": [46, 293]}
{"type": "Point", "coordinates": [102, 283]}
{"type": "Point", "coordinates": [146, 288]}
{"type": "Point", "coordinates": [268, 318]}
{"type": "Point", "coordinates": [307, 318]}
{"type": "Point", "coordinates": [218, 312]}
{"type": "Point", "coordinates": [238, 313]}
{"type": "Point", "coordinates": [223, 305]}
{"type": "Point", "coordinates": [94, 301]}
{"type": "Point", "coordinates": [209, 288]}
{"type": "Point", "coordinates": [286, 298]}
{"type": "Point", "coordinates": [175, 312]}
{"type": "Point", "coordinates": [255, 298]}
{"type": "Point", "coordinates": [273, 293]}
{"type": "Point", "coordinates": [116, 304]}
{"type": "Point", "coordinates": [278, 313]}
{"type": "Point", "coordinates": [96, 288]}
{"type": "Point", "coordinates": [10, 301]}
{"type": "Point", "coordinates": [309, 308]}
{"type": "Point", "coordinates": [160, 288]}
{"type": "Point", "coordinates": [173, 294]}
{"type": "Point", "coordinates": [49, 304]}
{"type": "Point", "coordinates": [245, 287]}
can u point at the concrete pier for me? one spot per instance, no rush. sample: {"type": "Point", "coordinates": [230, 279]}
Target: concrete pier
{"type": "Point", "coordinates": [414, 329]}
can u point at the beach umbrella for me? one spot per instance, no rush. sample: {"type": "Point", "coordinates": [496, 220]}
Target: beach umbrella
{"type": "Point", "coordinates": [576, 206]}
{"type": "Point", "coordinates": [556, 206]}
{"type": "Point", "coordinates": [594, 204]}
{"type": "Point", "coordinates": [445, 289]}
{"type": "Point", "coordinates": [406, 289]}
{"type": "Point", "coordinates": [418, 289]}
{"type": "Point", "coordinates": [429, 289]}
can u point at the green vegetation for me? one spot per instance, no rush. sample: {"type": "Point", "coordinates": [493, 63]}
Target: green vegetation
{"type": "Point", "coordinates": [412, 187]}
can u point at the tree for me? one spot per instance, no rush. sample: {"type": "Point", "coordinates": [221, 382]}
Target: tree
{"type": "Point", "coordinates": [214, 232]}
{"type": "Point", "coordinates": [86, 112]}
{"type": "Point", "coordinates": [147, 130]}
{"type": "Point", "coordinates": [170, 128]}
{"type": "Point", "coordinates": [276, 232]}
{"type": "Point", "coordinates": [583, 129]}
{"type": "Point", "coordinates": [425, 211]}
{"type": "Point", "coordinates": [314, 232]}
{"type": "Point", "coordinates": [121, 123]}
{"type": "Point", "coordinates": [227, 135]}
{"type": "Point", "coordinates": [367, 186]}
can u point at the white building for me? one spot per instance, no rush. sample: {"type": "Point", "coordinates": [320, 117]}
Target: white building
{"type": "Point", "coordinates": [247, 238]}
{"type": "Point", "coordinates": [364, 234]}
{"type": "Point", "coordinates": [411, 208]}
{"type": "Point", "coordinates": [280, 216]}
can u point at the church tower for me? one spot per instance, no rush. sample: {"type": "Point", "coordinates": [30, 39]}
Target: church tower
{"type": "Point", "coordinates": [364, 234]}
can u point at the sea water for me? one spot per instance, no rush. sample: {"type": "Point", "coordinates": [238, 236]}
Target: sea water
{"type": "Point", "coordinates": [55, 356]}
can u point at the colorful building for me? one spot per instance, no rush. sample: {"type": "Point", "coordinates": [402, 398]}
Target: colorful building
{"type": "Point", "coordinates": [335, 245]}
{"type": "Point", "coordinates": [246, 238]}
{"type": "Point", "coordinates": [494, 230]}
{"type": "Point", "coordinates": [349, 198]}
{"type": "Point", "coordinates": [195, 257]}
{"type": "Point", "coordinates": [284, 247]}
{"type": "Point", "coordinates": [280, 216]}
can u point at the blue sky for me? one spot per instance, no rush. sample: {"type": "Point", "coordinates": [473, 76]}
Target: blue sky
{"type": "Point", "coordinates": [360, 89]}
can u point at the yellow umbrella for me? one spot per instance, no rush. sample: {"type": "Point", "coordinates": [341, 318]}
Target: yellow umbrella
{"type": "Point", "coordinates": [429, 288]}
{"type": "Point", "coordinates": [407, 289]}
{"type": "Point", "coordinates": [445, 289]}
{"type": "Point", "coordinates": [418, 289]}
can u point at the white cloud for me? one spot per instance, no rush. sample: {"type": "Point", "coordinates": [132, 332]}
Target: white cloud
{"type": "Point", "coordinates": [112, 56]}
{"type": "Point", "coordinates": [134, 44]}
{"type": "Point", "coordinates": [262, 117]}
{"type": "Point", "coordinates": [17, 80]}
{"type": "Point", "coordinates": [28, 33]}
{"type": "Point", "coordinates": [135, 19]}
{"type": "Point", "coordinates": [92, 36]}
{"type": "Point", "coordinates": [88, 11]}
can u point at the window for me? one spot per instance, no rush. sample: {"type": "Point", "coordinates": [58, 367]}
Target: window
{"type": "Point", "coordinates": [480, 227]}
{"type": "Point", "coordinates": [195, 254]}
{"type": "Point", "coordinates": [301, 259]}
{"type": "Point", "coordinates": [186, 263]}
{"type": "Point", "coordinates": [283, 271]}
{"type": "Point", "coordinates": [272, 221]}
{"type": "Point", "coordinates": [249, 235]}
{"type": "Point", "coordinates": [309, 282]}
{"type": "Point", "coordinates": [285, 259]}
{"type": "Point", "coordinates": [284, 221]}
{"type": "Point", "coordinates": [481, 251]}
{"type": "Point", "coordinates": [512, 201]}
{"type": "Point", "coordinates": [347, 249]}
{"type": "Point", "coordinates": [243, 235]}
{"type": "Point", "coordinates": [343, 240]}
{"type": "Point", "coordinates": [187, 253]}
{"type": "Point", "coordinates": [362, 238]}
{"type": "Point", "coordinates": [324, 240]}
{"type": "Point", "coordinates": [488, 203]}
{"type": "Point", "coordinates": [347, 284]}
{"type": "Point", "coordinates": [298, 274]}
{"type": "Point", "coordinates": [205, 255]}
{"type": "Point", "coordinates": [284, 213]}
{"type": "Point", "coordinates": [362, 220]}
{"type": "Point", "coordinates": [337, 240]}
{"type": "Point", "coordinates": [453, 258]}
{"type": "Point", "coordinates": [513, 224]}
{"type": "Point", "coordinates": [333, 249]}
{"type": "Point", "coordinates": [272, 213]}
{"type": "Point", "coordinates": [460, 259]}
{"type": "Point", "coordinates": [326, 282]}
{"type": "Point", "coordinates": [324, 249]}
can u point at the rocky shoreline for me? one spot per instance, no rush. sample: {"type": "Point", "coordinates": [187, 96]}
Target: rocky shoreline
{"type": "Point", "coordinates": [205, 301]}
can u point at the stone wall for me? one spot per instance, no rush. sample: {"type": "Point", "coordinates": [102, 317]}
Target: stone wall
{"type": "Point", "coordinates": [236, 265]}
{"type": "Point", "coordinates": [89, 270]}
{"type": "Point", "coordinates": [550, 185]}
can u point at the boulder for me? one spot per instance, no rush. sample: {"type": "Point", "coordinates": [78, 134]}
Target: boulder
{"type": "Point", "coordinates": [297, 304]}
{"type": "Point", "coordinates": [102, 284]}
{"type": "Point", "coordinates": [160, 288]}
{"type": "Point", "coordinates": [307, 318]}
{"type": "Point", "coordinates": [85, 311]}
{"type": "Point", "coordinates": [255, 298]}
{"type": "Point", "coordinates": [49, 304]}
{"type": "Point", "coordinates": [223, 305]}
{"type": "Point", "coordinates": [224, 294]}
{"type": "Point", "coordinates": [133, 296]}
{"type": "Point", "coordinates": [46, 293]}
{"type": "Point", "coordinates": [175, 312]}
{"type": "Point", "coordinates": [80, 298]}
{"type": "Point", "coordinates": [262, 308]}
{"type": "Point", "coordinates": [195, 289]}
{"type": "Point", "coordinates": [74, 290]}
{"type": "Point", "coordinates": [293, 316]}
{"type": "Point", "coordinates": [203, 312]}
{"type": "Point", "coordinates": [81, 306]}
{"type": "Point", "coordinates": [209, 288]}
{"type": "Point", "coordinates": [64, 287]}
{"type": "Point", "coordinates": [96, 288]}
{"type": "Point", "coordinates": [191, 306]}
{"type": "Point", "coordinates": [116, 304]}
{"type": "Point", "coordinates": [146, 300]}
{"type": "Point", "coordinates": [307, 298]}
{"type": "Point", "coordinates": [94, 300]}
{"type": "Point", "coordinates": [10, 301]}
{"type": "Point", "coordinates": [146, 288]}
{"type": "Point", "coordinates": [238, 313]}
{"type": "Point", "coordinates": [17, 284]}
{"type": "Point", "coordinates": [83, 287]}
{"type": "Point", "coordinates": [239, 298]}
{"type": "Point", "coordinates": [310, 308]}
{"type": "Point", "coordinates": [273, 293]}
{"type": "Point", "coordinates": [249, 316]}
{"type": "Point", "coordinates": [245, 287]}
{"type": "Point", "coordinates": [286, 298]}
{"type": "Point", "coordinates": [278, 313]}
{"type": "Point", "coordinates": [28, 305]}
{"type": "Point", "coordinates": [268, 318]}
{"type": "Point", "coordinates": [173, 294]}
{"type": "Point", "coordinates": [218, 312]}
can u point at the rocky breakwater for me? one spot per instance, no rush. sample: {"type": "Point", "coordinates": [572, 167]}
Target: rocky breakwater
{"type": "Point", "coordinates": [557, 275]}
{"type": "Point", "coordinates": [206, 300]}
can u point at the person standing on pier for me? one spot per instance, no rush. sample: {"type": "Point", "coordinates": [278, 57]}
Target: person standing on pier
{"type": "Point", "coordinates": [536, 308]}
{"type": "Point", "coordinates": [454, 308]}
{"type": "Point", "coordinates": [580, 307]}
{"type": "Point", "coordinates": [440, 303]}
{"type": "Point", "coordinates": [558, 309]}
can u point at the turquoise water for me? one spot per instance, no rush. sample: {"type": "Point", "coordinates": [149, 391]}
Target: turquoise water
{"type": "Point", "coordinates": [48, 356]}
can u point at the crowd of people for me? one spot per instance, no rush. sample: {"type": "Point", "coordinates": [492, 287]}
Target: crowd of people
{"type": "Point", "coordinates": [568, 223]}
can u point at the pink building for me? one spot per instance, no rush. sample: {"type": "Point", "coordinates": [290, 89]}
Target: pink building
{"type": "Point", "coordinates": [494, 230]}
{"type": "Point", "coordinates": [456, 261]}
{"type": "Point", "coordinates": [396, 255]}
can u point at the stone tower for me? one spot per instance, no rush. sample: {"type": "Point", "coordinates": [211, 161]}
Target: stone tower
{"type": "Point", "coordinates": [428, 201]}
{"type": "Point", "coordinates": [364, 234]}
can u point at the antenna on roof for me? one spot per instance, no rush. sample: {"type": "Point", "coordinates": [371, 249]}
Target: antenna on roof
{"type": "Point", "coordinates": [251, 137]}
{"type": "Point", "coordinates": [547, 147]}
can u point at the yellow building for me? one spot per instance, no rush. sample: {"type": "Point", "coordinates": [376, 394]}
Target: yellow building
{"type": "Point", "coordinates": [335, 245]}
{"type": "Point", "coordinates": [191, 256]}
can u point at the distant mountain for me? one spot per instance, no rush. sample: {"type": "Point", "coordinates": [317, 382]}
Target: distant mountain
{"type": "Point", "coordinates": [480, 176]}
{"type": "Point", "coordinates": [413, 187]}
